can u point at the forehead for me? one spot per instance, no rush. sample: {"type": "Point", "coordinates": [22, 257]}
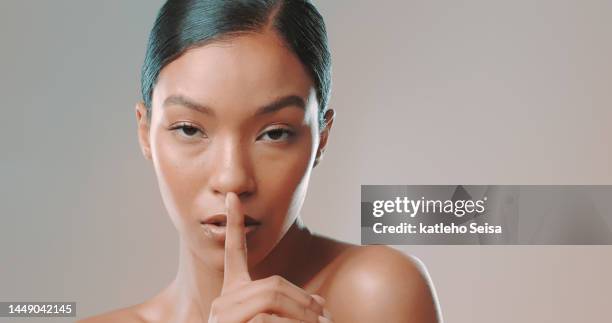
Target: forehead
{"type": "Point", "coordinates": [244, 71]}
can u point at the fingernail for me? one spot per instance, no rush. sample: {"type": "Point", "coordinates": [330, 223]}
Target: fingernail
{"type": "Point", "coordinates": [227, 200]}
{"type": "Point", "coordinates": [326, 313]}
{"type": "Point", "coordinates": [319, 299]}
{"type": "Point", "coordinates": [323, 320]}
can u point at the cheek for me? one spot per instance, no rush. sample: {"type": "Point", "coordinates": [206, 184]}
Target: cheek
{"type": "Point", "coordinates": [177, 175]}
{"type": "Point", "coordinates": [282, 179]}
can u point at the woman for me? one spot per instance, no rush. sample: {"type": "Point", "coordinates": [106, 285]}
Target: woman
{"type": "Point", "coordinates": [234, 118]}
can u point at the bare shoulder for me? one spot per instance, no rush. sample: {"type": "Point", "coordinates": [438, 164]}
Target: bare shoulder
{"type": "Point", "coordinates": [123, 315]}
{"type": "Point", "coordinates": [380, 284]}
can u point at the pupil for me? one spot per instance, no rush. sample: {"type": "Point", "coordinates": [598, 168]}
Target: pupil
{"type": "Point", "coordinates": [190, 131]}
{"type": "Point", "coordinates": [276, 133]}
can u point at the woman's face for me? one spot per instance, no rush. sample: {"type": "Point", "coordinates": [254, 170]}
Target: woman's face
{"type": "Point", "coordinates": [233, 116]}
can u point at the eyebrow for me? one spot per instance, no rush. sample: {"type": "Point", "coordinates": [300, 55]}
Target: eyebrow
{"type": "Point", "coordinates": [188, 103]}
{"type": "Point", "coordinates": [278, 104]}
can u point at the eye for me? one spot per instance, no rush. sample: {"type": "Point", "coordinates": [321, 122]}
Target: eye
{"type": "Point", "coordinates": [188, 131]}
{"type": "Point", "coordinates": [278, 134]}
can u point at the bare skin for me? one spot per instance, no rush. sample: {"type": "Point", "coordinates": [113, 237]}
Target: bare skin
{"type": "Point", "coordinates": [217, 152]}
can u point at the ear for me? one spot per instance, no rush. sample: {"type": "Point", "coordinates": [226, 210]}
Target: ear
{"type": "Point", "coordinates": [143, 129]}
{"type": "Point", "coordinates": [324, 135]}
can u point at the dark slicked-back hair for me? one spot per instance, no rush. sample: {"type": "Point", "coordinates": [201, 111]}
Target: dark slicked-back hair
{"type": "Point", "coordinates": [184, 24]}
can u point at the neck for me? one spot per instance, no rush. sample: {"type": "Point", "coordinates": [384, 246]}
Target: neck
{"type": "Point", "coordinates": [196, 284]}
{"type": "Point", "coordinates": [284, 260]}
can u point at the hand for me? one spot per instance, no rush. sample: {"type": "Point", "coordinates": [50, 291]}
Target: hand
{"type": "Point", "coordinates": [272, 299]}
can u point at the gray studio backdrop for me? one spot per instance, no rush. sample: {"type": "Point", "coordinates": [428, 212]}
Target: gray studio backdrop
{"type": "Point", "coordinates": [427, 92]}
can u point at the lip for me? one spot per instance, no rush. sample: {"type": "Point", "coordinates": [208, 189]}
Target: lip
{"type": "Point", "coordinates": [217, 232]}
{"type": "Point", "coordinates": [214, 226]}
{"type": "Point", "coordinates": [221, 219]}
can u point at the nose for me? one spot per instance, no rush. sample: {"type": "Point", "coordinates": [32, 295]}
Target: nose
{"type": "Point", "coordinates": [232, 169]}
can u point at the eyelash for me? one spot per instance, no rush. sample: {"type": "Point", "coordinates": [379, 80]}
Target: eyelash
{"type": "Point", "coordinates": [181, 127]}
{"type": "Point", "coordinates": [290, 134]}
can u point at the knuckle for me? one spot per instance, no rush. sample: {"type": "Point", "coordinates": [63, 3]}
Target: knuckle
{"type": "Point", "coordinates": [259, 318]}
{"type": "Point", "coordinates": [274, 299]}
{"type": "Point", "coordinates": [216, 311]}
{"type": "Point", "coordinates": [310, 314]}
{"type": "Point", "coordinates": [240, 247]}
{"type": "Point", "coordinates": [314, 305]}
{"type": "Point", "coordinates": [319, 308]}
{"type": "Point", "coordinates": [214, 306]}
{"type": "Point", "coordinates": [311, 302]}
{"type": "Point", "coordinates": [276, 281]}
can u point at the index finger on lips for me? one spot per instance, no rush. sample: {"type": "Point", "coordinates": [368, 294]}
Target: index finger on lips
{"type": "Point", "coordinates": [236, 261]}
